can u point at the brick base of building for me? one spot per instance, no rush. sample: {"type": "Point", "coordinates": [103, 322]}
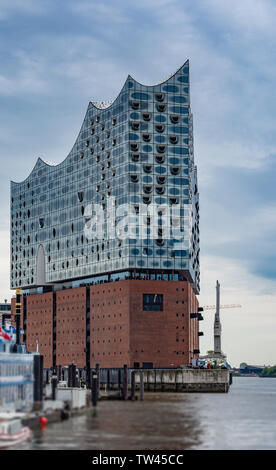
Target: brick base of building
{"type": "Point", "coordinates": [112, 324]}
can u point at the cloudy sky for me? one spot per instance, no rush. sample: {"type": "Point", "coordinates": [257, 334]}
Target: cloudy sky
{"type": "Point", "coordinates": [57, 55]}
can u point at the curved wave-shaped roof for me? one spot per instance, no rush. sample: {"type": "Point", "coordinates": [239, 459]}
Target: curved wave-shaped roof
{"type": "Point", "coordinates": [99, 106]}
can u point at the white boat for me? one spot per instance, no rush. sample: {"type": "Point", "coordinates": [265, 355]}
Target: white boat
{"type": "Point", "coordinates": [12, 432]}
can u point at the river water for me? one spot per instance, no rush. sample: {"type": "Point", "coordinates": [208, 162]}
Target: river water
{"type": "Point", "coordinates": [245, 418]}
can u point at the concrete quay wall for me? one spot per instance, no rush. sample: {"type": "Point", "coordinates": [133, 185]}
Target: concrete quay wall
{"type": "Point", "coordinates": [185, 380]}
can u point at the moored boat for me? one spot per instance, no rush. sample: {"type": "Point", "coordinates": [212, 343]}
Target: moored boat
{"type": "Point", "coordinates": [12, 432]}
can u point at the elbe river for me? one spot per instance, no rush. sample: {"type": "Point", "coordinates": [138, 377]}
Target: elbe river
{"type": "Point", "coordinates": [245, 418]}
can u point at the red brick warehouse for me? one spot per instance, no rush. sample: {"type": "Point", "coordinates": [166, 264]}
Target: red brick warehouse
{"type": "Point", "coordinates": [126, 326]}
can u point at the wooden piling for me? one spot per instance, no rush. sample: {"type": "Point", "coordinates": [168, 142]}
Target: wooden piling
{"type": "Point", "coordinates": [94, 387]}
{"type": "Point", "coordinates": [98, 379]}
{"type": "Point", "coordinates": [71, 375]}
{"type": "Point", "coordinates": [119, 380]}
{"type": "Point", "coordinates": [59, 372]}
{"type": "Point", "coordinates": [133, 385]}
{"type": "Point", "coordinates": [141, 385]}
{"type": "Point", "coordinates": [108, 380]}
{"type": "Point", "coordinates": [54, 386]}
{"type": "Point", "coordinates": [38, 379]}
{"type": "Point", "coordinates": [125, 383]}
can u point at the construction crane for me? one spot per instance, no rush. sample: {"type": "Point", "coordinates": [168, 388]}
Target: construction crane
{"type": "Point", "coordinates": [213, 307]}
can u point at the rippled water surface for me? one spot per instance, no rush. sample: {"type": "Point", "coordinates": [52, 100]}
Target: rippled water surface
{"type": "Point", "coordinates": [245, 418]}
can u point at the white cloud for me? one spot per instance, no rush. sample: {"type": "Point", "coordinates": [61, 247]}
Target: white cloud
{"type": "Point", "coordinates": [31, 76]}
{"type": "Point", "coordinates": [5, 292]}
{"type": "Point", "coordinates": [105, 13]}
{"type": "Point", "coordinates": [31, 7]}
{"type": "Point", "coordinates": [246, 16]}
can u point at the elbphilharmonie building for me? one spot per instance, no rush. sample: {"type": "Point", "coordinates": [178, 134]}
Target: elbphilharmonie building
{"type": "Point", "coordinates": [122, 207]}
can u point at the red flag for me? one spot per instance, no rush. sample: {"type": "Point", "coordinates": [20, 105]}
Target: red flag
{"type": "Point", "coordinates": [4, 335]}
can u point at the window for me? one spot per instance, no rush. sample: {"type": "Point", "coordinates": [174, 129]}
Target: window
{"type": "Point", "coordinates": [159, 128]}
{"type": "Point", "coordinates": [174, 119]}
{"type": "Point", "coordinates": [80, 196]}
{"type": "Point", "coordinates": [135, 104]}
{"type": "Point", "coordinates": [153, 302]}
{"type": "Point", "coordinates": [173, 200]}
{"type": "Point", "coordinates": [161, 108]}
{"type": "Point", "coordinates": [161, 148]}
{"type": "Point", "coordinates": [159, 158]}
{"type": "Point", "coordinates": [159, 96]}
{"type": "Point", "coordinates": [147, 168]}
{"type": "Point", "coordinates": [160, 190]}
{"type": "Point", "coordinates": [146, 117]}
{"type": "Point", "coordinates": [134, 178]}
{"type": "Point", "coordinates": [135, 126]}
{"type": "Point", "coordinates": [174, 170]}
{"type": "Point", "coordinates": [161, 179]}
{"type": "Point", "coordinates": [146, 200]}
{"type": "Point", "coordinates": [147, 189]}
{"type": "Point", "coordinates": [173, 139]}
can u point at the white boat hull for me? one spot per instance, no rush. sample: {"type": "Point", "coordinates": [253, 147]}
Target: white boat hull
{"type": "Point", "coordinates": [9, 440]}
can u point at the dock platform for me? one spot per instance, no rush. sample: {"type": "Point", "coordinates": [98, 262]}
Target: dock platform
{"type": "Point", "coordinates": [169, 380]}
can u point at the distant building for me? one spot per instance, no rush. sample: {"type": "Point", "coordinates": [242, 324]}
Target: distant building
{"type": "Point", "coordinates": [105, 245]}
{"type": "Point", "coordinates": [5, 313]}
{"type": "Point", "coordinates": [251, 369]}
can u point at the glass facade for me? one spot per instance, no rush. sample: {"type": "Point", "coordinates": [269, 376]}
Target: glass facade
{"type": "Point", "coordinates": [133, 155]}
